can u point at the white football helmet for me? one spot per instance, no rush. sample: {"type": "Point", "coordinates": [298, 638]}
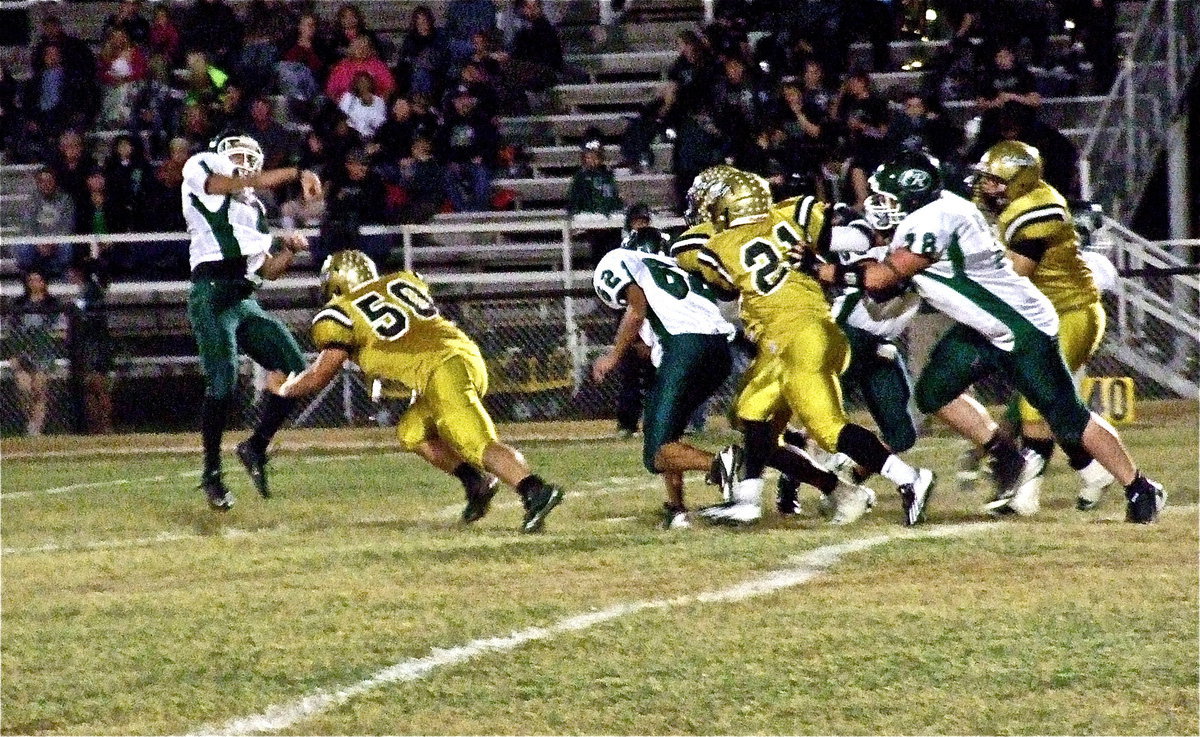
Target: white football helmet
{"type": "Point", "coordinates": [243, 152]}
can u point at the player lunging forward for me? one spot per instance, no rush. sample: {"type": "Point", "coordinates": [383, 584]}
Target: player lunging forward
{"type": "Point", "coordinates": [390, 327]}
{"type": "Point", "coordinates": [943, 244]}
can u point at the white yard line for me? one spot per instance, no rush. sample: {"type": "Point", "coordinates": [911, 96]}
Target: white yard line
{"type": "Point", "coordinates": [801, 570]}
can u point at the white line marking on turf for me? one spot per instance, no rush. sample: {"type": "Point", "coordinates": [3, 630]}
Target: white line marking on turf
{"type": "Point", "coordinates": [803, 569]}
{"type": "Point", "coordinates": [229, 533]}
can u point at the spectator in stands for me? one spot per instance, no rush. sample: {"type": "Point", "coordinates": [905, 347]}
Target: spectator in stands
{"type": "Point", "coordinates": [129, 19]}
{"type": "Point", "coordinates": [195, 125]}
{"type": "Point", "coordinates": [349, 26]}
{"type": "Point", "coordinates": [157, 106]}
{"type": "Point", "coordinates": [77, 56]}
{"type": "Point", "coordinates": [425, 182]}
{"type": "Point", "coordinates": [164, 193]}
{"type": "Point", "coordinates": [866, 118]}
{"type": "Point", "coordinates": [102, 215]}
{"type": "Point", "coordinates": [482, 87]}
{"type": "Point", "coordinates": [771, 154]}
{"type": "Point", "coordinates": [128, 175]}
{"type": "Point", "coordinates": [1004, 80]}
{"type": "Point", "coordinates": [71, 166]}
{"type": "Point", "coordinates": [356, 196]}
{"type": "Point", "coordinates": [89, 349]}
{"type": "Point", "coordinates": [924, 124]}
{"type": "Point", "coordinates": [233, 107]}
{"type": "Point", "coordinates": [49, 212]}
{"type": "Point", "coordinates": [55, 99]}
{"type": "Point", "coordinates": [464, 19]}
{"type": "Point", "coordinates": [278, 143]}
{"type": "Point", "coordinates": [594, 191]}
{"type": "Point", "coordinates": [337, 139]}
{"type": "Point", "coordinates": [802, 117]}
{"type": "Point", "coordinates": [212, 27]}
{"type": "Point", "coordinates": [393, 140]}
{"type": "Point", "coordinates": [536, 55]}
{"type": "Point", "coordinates": [360, 57]}
{"type": "Point", "coordinates": [122, 66]}
{"type": "Point", "coordinates": [205, 82]}
{"type": "Point", "coordinates": [424, 54]}
{"type": "Point", "coordinates": [9, 121]}
{"type": "Point", "coordinates": [833, 175]}
{"type": "Point", "coordinates": [364, 109]}
{"type": "Point", "coordinates": [739, 100]}
{"type": "Point", "coordinates": [36, 321]}
{"type": "Point", "coordinates": [255, 61]}
{"type": "Point", "coordinates": [471, 143]}
{"type": "Point", "coordinates": [699, 144]}
{"type": "Point", "coordinates": [309, 48]}
{"type": "Point", "coordinates": [726, 38]}
{"type": "Point", "coordinates": [164, 44]}
{"type": "Point", "coordinates": [689, 79]}
{"type": "Point", "coordinates": [1096, 29]}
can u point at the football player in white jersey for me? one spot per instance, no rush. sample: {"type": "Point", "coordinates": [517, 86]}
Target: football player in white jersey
{"type": "Point", "coordinates": [230, 255]}
{"type": "Point", "coordinates": [676, 314]}
{"type": "Point", "coordinates": [944, 247]}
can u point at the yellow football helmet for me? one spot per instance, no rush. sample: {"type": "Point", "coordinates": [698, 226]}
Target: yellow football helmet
{"type": "Point", "coordinates": [1015, 165]}
{"type": "Point", "coordinates": [345, 270]}
{"type": "Point", "coordinates": [737, 199]}
{"type": "Point", "coordinates": [699, 195]}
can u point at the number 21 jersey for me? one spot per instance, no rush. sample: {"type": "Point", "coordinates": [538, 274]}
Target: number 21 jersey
{"type": "Point", "coordinates": [391, 329]}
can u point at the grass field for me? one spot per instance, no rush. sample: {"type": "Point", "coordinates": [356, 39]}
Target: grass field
{"type": "Point", "coordinates": [352, 603]}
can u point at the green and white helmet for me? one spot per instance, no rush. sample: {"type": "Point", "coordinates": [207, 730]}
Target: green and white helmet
{"type": "Point", "coordinates": [901, 186]}
{"type": "Point", "coordinates": [242, 151]}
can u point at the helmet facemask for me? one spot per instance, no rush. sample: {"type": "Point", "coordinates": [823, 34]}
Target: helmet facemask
{"type": "Point", "coordinates": [243, 152]}
{"type": "Point", "coordinates": [882, 211]}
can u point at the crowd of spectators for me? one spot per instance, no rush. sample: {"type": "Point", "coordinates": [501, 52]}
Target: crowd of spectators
{"type": "Point", "coordinates": [403, 126]}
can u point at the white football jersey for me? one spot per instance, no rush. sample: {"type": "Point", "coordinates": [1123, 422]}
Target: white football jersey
{"type": "Point", "coordinates": [679, 302]}
{"type": "Point", "coordinates": [971, 279]}
{"type": "Point", "coordinates": [853, 307]}
{"type": "Point", "coordinates": [222, 226]}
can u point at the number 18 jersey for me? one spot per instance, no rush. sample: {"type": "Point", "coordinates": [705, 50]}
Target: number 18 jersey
{"type": "Point", "coordinates": [392, 330]}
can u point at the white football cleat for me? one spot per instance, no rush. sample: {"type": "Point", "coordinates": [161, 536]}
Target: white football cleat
{"type": "Point", "coordinates": [1030, 470]}
{"type": "Point", "coordinates": [726, 469]}
{"type": "Point", "coordinates": [1026, 500]}
{"type": "Point", "coordinates": [732, 513]}
{"type": "Point", "coordinates": [1096, 480]}
{"type": "Point", "coordinates": [851, 503]}
{"type": "Point", "coordinates": [675, 519]}
{"type": "Point", "coordinates": [914, 497]}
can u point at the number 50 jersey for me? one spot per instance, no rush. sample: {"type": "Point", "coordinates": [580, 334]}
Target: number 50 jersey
{"type": "Point", "coordinates": [392, 330]}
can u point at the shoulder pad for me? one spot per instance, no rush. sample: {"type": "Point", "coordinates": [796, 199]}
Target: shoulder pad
{"type": "Point", "coordinates": [333, 328]}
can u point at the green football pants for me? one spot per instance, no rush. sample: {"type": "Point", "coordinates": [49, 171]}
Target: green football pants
{"type": "Point", "coordinates": [225, 316]}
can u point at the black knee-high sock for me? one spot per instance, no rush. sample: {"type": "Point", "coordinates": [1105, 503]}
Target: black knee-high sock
{"type": "Point", "coordinates": [760, 441]}
{"type": "Point", "coordinates": [467, 474]}
{"type": "Point", "coordinates": [275, 410]}
{"type": "Point", "coordinates": [1077, 456]}
{"type": "Point", "coordinates": [801, 469]}
{"type": "Point", "coordinates": [212, 427]}
{"type": "Point", "coordinates": [863, 447]}
{"type": "Point", "coordinates": [1042, 446]}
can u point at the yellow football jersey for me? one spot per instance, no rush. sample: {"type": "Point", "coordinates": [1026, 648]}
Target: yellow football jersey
{"type": "Point", "coordinates": [752, 260]}
{"type": "Point", "coordinates": [1040, 221]}
{"type": "Point", "coordinates": [392, 330]}
{"type": "Point", "coordinates": [807, 215]}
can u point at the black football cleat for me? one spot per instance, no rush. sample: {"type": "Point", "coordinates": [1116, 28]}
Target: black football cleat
{"type": "Point", "coordinates": [215, 491]}
{"type": "Point", "coordinates": [479, 498]}
{"type": "Point", "coordinates": [1144, 499]}
{"type": "Point", "coordinates": [787, 496]}
{"type": "Point", "coordinates": [538, 504]}
{"type": "Point", "coordinates": [255, 462]}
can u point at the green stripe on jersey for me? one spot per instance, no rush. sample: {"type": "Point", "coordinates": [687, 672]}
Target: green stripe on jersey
{"type": "Point", "coordinates": [219, 222]}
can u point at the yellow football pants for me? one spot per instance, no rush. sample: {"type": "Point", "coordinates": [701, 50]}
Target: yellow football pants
{"type": "Point", "coordinates": [1079, 334]}
{"type": "Point", "coordinates": [451, 408]}
{"type": "Point", "coordinates": [799, 376]}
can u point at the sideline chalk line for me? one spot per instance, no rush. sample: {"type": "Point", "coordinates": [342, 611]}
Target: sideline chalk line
{"type": "Point", "coordinates": [801, 570]}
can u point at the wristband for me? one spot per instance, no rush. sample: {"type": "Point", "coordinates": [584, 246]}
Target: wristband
{"type": "Point", "coordinates": [848, 275]}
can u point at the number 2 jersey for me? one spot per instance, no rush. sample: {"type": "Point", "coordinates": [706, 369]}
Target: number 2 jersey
{"type": "Point", "coordinates": [752, 260]}
{"type": "Point", "coordinates": [391, 329]}
{"type": "Point", "coordinates": [679, 303]}
{"type": "Point", "coordinates": [971, 280]}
